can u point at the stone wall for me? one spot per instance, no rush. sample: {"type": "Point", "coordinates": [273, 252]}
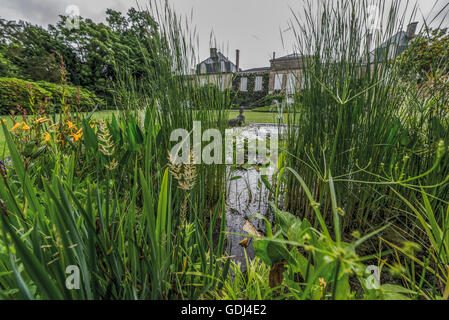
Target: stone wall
{"type": "Point", "coordinates": [225, 78]}
{"type": "Point", "coordinates": [283, 68]}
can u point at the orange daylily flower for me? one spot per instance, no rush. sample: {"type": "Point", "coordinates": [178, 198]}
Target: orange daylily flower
{"type": "Point", "coordinates": [70, 124]}
{"type": "Point", "coordinates": [77, 136]}
{"type": "Point", "coordinates": [46, 137]}
{"type": "Point", "coordinates": [41, 120]}
{"type": "Point", "coordinates": [25, 127]}
{"type": "Point", "coordinates": [15, 127]}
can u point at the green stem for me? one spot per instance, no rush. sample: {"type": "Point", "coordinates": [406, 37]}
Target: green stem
{"type": "Point", "coordinates": [337, 134]}
{"type": "Point", "coordinates": [334, 289]}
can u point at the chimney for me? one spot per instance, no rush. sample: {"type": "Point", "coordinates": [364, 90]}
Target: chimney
{"type": "Point", "coordinates": [213, 53]}
{"type": "Point", "coordinates": [274, 55]}
{"type": "Point", "coordinates": [411, 29]}
{"type": "Point", "coordinates": [237, 59]}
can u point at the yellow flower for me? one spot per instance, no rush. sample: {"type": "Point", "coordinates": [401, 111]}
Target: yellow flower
{"type": "Point", "coordinates": [17, 125]}
{"type": "Point", "coordinates": [46, 136]}
{"type": "Point", "coordinates": [323, 285]}
{"type": "Point", "coordinates": [41, 120]}
{"type": "Point", "coordinates": [25, 127]}
{"type": "Point", "coordinates": [184, 265]}
{"type": "Point", "coordinates": [244, 242]}
{"type": "Point", "coordinates": [70, 124]}
{"type": "Point", "coordinates": [77, 136]}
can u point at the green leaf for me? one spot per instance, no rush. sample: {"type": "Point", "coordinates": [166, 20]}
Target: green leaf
{"type": "Point", "coordinates": [33, 267]}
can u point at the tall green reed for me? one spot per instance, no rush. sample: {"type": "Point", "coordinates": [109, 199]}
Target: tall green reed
{"type": "Point", "coordinates": [353, 114]}
{"type": "Point", "coordinates": [114, 210]}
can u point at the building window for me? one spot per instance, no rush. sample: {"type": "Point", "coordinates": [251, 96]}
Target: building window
{"type": "Point", "coordinates": [203, 68]}
{"type": "Point", "coordinates": [278, 78]}
{"type": "Point", "coordinates": [291, 83]}
{"type": "Point", "coordinates": [221, 84]}
{"type": "Point", "coordinates": [244, 84]}
{"type": "Point", "coordinates": [258, 84]}
{"type": "Point", "coordinates": [223, 67]}
{"type": "Point", "coordinates": [303, 82]}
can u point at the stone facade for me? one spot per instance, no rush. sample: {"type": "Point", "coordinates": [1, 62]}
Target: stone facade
{"type": "Point", "coordinates": [222, 80]}
{"type": "Point", "coordinates": [285, 74]}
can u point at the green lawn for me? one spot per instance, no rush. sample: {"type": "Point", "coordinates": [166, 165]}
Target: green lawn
{"type": "Point", "coordinates": [251, 117]}
{"type": "Point", "coordinates": [256, 117]}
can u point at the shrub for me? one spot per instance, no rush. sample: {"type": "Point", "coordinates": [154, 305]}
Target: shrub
{"type": "Point", "coordinates": [15, 92]}
{"type": "Point", "coordinates": [79, 98]}
{"type": "Point", "coordinates": [269, 99]}
{"type": "Point", "coordinates": [31, 95]}
{"type": "Point", "coordinates": [267, 109]}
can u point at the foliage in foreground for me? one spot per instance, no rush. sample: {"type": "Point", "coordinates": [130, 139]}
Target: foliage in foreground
{"type": "Point", "coordinates": [104, 197]}
{"type": "Point", "coordinates": [124, 247]}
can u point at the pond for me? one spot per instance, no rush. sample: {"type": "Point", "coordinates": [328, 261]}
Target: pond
{"type": "Point", "coordinates": [247, 195]}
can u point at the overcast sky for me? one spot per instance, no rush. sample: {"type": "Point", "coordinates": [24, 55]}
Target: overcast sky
{"type": "Point", "coordinates": [253, 26]}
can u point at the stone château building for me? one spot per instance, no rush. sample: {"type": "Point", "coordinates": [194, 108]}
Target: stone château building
{"type": "Point", "coordinates": [216, 69]}
{"type": "Point", "coordinates": [282, 76]}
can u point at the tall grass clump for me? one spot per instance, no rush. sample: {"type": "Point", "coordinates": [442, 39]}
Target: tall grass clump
{"type": "Point", "coordinates": [173, 91]}
{"type": "Point", "coordinates": [111, 203]}
{"type": "Point", "coordinates": [356, 119]}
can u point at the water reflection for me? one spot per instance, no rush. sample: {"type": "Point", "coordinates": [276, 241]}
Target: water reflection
{"type": "Point", "coordinates": [246, 194]}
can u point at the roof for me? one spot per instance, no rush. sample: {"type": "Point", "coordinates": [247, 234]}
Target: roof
{"type": "Point", "coordinates": [220, 57]}
{"type": "Point", "coordinates": [288, 57]}
{"type": "Point", "coordinates": [391, 48]}
{"type": "Point", "coordinates": [213, 65]}
{"type": "Point", "coordinates": [255, 70]}
{"type": "Point", "coordinates": [398, 39]}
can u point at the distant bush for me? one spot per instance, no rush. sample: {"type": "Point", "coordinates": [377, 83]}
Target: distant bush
{"type": "Point", "coordinates": [271, 98]}
{"type": "Point", "coordinates": [269, 109]}
{"type": "Point", "coordinates": [32, 95]}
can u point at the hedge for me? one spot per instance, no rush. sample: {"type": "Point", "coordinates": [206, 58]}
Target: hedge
{"type": "Point", "coordinates": [14, 92]}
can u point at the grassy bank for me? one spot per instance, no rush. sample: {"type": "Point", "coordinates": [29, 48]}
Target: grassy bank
{"type": "Point", "coordinates": [251, 117]}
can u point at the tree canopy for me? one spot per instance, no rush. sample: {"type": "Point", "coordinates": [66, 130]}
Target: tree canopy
{"type": "Point", "coordinates": [426, 56]}
{"type": "Point", "coordinates": [91, 52]}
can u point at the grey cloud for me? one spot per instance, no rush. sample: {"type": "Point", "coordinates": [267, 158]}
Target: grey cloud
{"type": "Point", "coordinates": [253, 26]}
